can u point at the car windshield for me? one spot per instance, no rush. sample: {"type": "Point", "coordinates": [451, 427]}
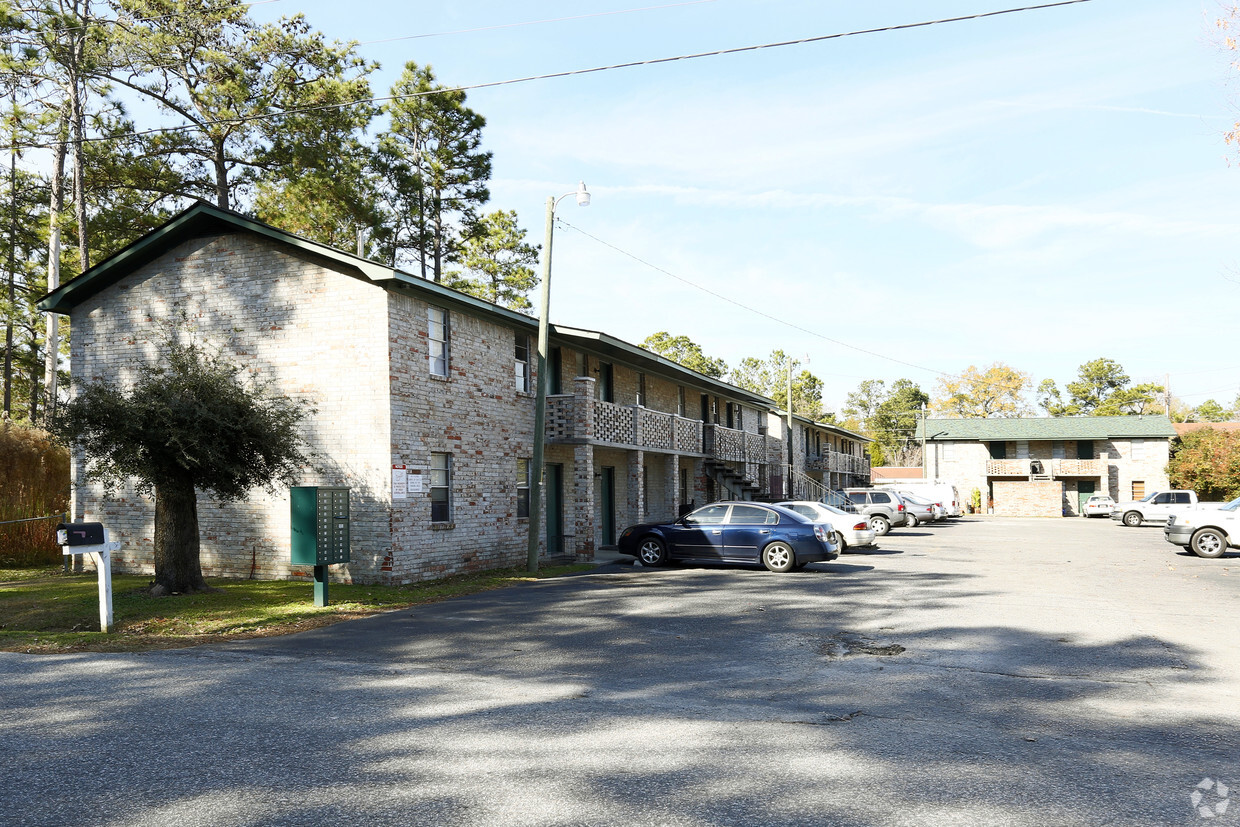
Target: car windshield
{"type": "Point", "coordinates": [1148, 497]}
{"type": "Point", "coordinates": [1231, 506]}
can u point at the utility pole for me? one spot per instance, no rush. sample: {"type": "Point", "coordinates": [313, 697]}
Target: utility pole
{"type": "Point", "coordinates": [788, 484]}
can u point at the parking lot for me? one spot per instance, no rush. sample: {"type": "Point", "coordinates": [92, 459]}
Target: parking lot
{"type": "Point", "coordinates": [987, 671]}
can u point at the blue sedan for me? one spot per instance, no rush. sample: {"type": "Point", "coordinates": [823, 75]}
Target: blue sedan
{"type": "Point", "coordinates": [732, 532]}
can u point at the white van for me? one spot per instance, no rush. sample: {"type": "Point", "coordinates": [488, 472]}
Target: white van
{"type": "Point", "coordinates": [938, 491]}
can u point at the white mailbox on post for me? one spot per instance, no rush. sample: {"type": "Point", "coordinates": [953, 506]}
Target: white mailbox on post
{"type": "Point", "coordinates": [92, 539]}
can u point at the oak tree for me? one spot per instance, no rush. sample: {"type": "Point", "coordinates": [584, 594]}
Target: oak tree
{"type": "Point", "coordinates": [189, 423]}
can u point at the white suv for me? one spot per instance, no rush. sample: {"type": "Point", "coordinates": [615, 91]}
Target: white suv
{"type": "Point", "coordinates": [883, 508]}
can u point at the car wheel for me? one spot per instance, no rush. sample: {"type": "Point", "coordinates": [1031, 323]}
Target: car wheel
{"type": "Point", "coordinates": [1132, 519]}
{"type": "Point", "coordinates": [652, 552]}
{"type": "Point", "coordinates": [838, 540]}
{"type": "Point", "coordinates": [778, 556]}
{"type": "Point", "coordinates": [1208, 543]}
{"type": "Point", "coordinates": [911, 520]}
{"type": "Point", "coordinates": [880, 525]}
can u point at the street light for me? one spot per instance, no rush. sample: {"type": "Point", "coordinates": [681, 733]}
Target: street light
{"type": "Point", "coordinates": [540, 394]}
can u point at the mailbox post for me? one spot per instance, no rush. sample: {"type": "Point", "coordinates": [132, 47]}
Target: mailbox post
{"type": "Point", "coordinates": [92, 539]}
{"type": "Point", "coordinates": [320, 532]}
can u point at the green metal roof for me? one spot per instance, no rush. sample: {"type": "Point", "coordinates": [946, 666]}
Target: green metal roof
{"type": "Point", "coordinates": [1154, 426]}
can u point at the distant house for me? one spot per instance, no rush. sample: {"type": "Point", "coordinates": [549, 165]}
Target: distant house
{"type": "Point", "coordinates": [1048, 467]}
{"type": "Point", "coordinates": [895, 473]}
{"type": "Point", "coordinates": [1182, 428]}
{"type": "Point", "coordinates": [423, 406]}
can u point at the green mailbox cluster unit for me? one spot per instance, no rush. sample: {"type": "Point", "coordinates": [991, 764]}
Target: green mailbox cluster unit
{"type": "Point", "coordinates": [320, 526]}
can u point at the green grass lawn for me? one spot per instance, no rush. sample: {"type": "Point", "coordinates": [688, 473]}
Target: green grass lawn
{"type": "Point", "coordinates": [47, 611]}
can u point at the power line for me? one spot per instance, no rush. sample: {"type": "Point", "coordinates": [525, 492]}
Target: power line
{"type": "Point", "coordinates": [564, 74]}
{"type": "Point", "coordinates": [746, 307]}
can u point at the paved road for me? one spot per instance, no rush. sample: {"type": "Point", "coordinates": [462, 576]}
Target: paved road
{"type": "Point", "coordinates": [1053, 672]}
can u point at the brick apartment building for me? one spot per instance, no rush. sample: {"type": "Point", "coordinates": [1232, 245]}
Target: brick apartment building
{"type": "Point", "coordinates": [423, 403]}
{"type": "Point", "coordinates": [1049, 466]}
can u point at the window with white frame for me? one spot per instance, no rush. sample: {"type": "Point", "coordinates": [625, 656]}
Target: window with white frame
{"type": "Point", "coordinates": [1138, 449]}
{"type": "Point", "coordinates": [522, 362]}
{"type": "Point", "coordinates": [437, 340]}
{"type": "Point", "coordinates": [441, 488]}
{"type": "Point", "coordinates": [523, 488]}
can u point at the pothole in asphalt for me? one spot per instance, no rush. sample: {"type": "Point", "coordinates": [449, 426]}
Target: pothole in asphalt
{"type": "Point", "coordinates": [843, 644]}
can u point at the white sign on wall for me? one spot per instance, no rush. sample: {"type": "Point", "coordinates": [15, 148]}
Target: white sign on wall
{"type": "Point", "coordinates": [400, 482]}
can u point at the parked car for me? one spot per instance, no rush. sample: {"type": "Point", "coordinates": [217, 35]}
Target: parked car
{"type": "Point", "coordinates": [1157, 506]}
{"type": "Point", "coordinates": [936, 491]}
{"type": "Point", "coordinates": [732, 532]}
{"type": "Point", "coordinates": [1206, 533]}
{"type": "Point", "coordinates": [1099, 505]}
{"type": "Point", "coordinates": [852, 530]}
{"type": "Point", "coordinates": [883, 508]}
{"type": "Point", "coordinates": [917, 510]}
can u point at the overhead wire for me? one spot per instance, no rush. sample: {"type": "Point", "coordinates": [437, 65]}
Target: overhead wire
{"type": "Point", "coordinates": [555, 75]}
{"type": "Point", "coordinates": [744, 306]}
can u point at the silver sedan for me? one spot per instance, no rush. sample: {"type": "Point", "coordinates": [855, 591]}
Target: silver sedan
{"type": "Point", "coordinates": [851, 530]}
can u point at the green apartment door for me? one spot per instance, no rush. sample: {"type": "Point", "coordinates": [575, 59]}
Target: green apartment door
{"type": "Point", "coordinates": [1084, 490]}
{"type": "Point", "coordinates": [555, 508]}
{"type": "Point", "coordinates": [607, 505]}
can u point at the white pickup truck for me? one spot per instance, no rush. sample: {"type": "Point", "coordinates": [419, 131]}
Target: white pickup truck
{"type": "Point", "coordinates": [1158, 506]}
{"type": "Point", "coordinates": [1206, 533]}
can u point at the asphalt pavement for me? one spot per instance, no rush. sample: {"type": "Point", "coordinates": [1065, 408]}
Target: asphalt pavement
{"type": "Point", "coordinates": [985, 672]}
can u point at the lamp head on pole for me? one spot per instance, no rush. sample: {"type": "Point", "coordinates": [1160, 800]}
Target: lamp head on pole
{"type": "Point", "coordinates": [583, 195]}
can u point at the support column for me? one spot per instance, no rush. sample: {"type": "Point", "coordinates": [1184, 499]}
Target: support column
{"type": "Point", "coordinates": [583, 508]}
{"type": "Point", "coordinates": [583, 407]}
{"type": "Point", "coordinates": [671, 471]}
{"type": "Point", "coordinates": [635, 472]}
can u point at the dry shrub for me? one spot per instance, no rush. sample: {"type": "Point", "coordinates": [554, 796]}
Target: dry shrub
{"type": "Point", "coordinates": [34, 482]}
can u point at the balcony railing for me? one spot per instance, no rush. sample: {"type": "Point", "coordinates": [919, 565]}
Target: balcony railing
{"type": "Point", "coordinates": [1054, 468]}
{"type": "Point", "coordinates": [1079, 467]}
{"type": "Point", "coordinates": [835, 462]}
{"type": "Point", "coordinates": [576, 418]}
{"type": "Point", "coordinates": [572, 418]}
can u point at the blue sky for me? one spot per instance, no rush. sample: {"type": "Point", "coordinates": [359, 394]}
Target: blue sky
{"type": "Point", "coordinates": [1041, 188]}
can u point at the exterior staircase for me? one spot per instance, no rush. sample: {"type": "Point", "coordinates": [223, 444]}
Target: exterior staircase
{"type": "Point", "coordinates": [732, 482]}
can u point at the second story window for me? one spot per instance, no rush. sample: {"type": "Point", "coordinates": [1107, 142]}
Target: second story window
{"type": "Point", "coordinates": [437, 340]}
{"type": "Point", "coordinates": [641, 389]}
{"type": "Point", "coordinates": [680, 401]}
{"type": "Point", "coordinates": [522, 363]}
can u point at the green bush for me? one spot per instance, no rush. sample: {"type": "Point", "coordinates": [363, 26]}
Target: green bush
{"type": "Point", "coordinates": [35, 484]}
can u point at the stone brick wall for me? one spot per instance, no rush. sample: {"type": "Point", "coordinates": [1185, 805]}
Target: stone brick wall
{"type": "Point", "coordinates": [1149, 467]}
{"type": "Point", "coordinates": [313, 332]}
{"type": "Point", "coordinates": [478, 416]}
{"type": "Point", "coordinates": [961, 463]}
{"type": "Point", "coordinates": [1025, 498]}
